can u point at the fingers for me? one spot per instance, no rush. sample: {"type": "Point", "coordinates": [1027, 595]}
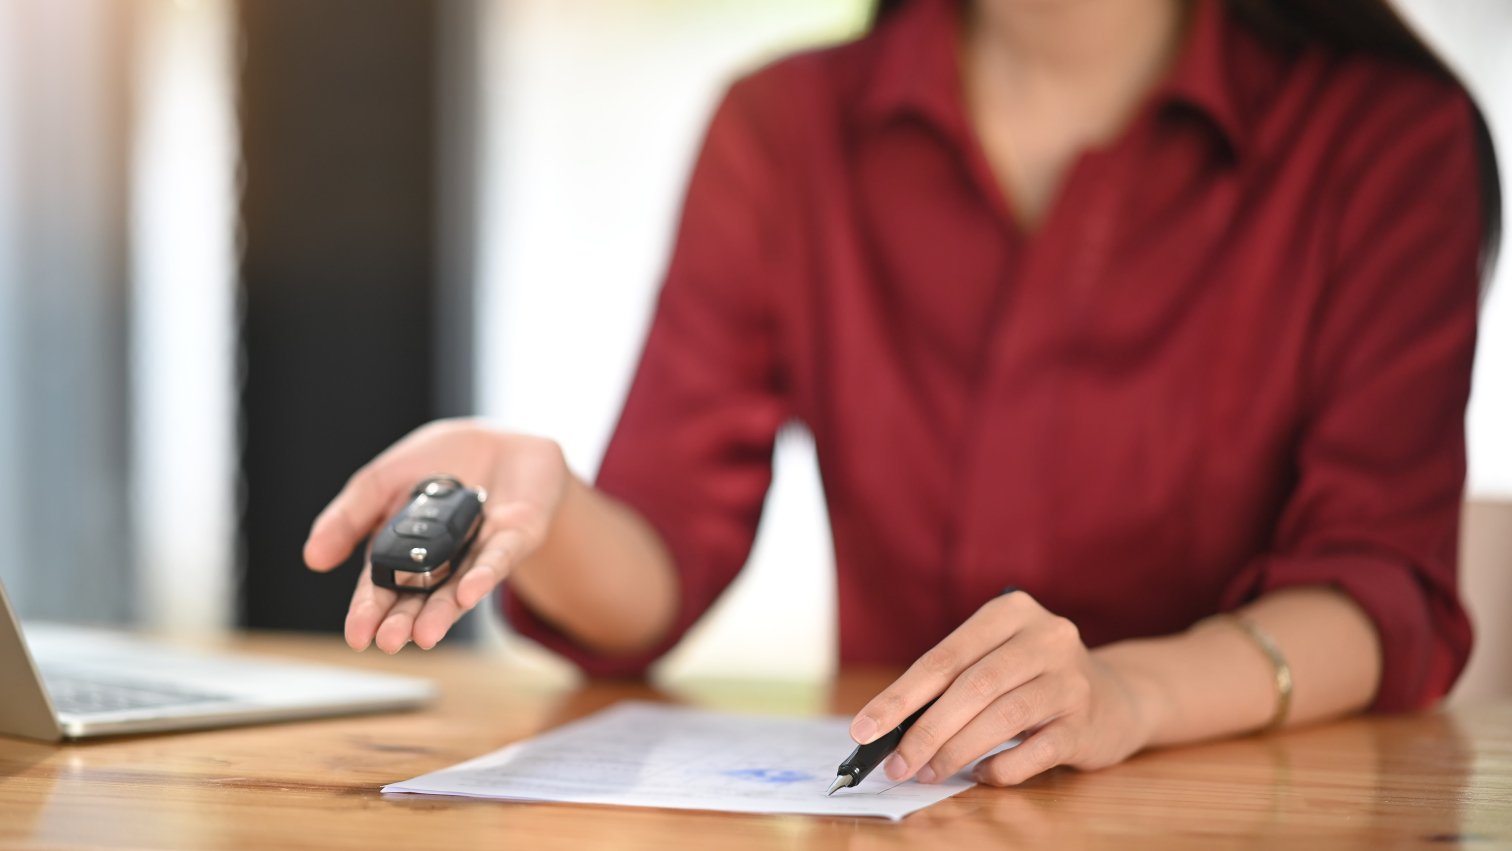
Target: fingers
{"type": "Point", "coordinates": [1017, 686]}
{"type": "Point", "coordinates": [491, 565]}
{"type": "Point", "coordinates": [393, 619]}
{"type": "Point", "coordinates": [476, 580]}
{"type": "Point", "coordinates": [991, 626]}
{"type": "Point", "coordinates": [370, 605]}
{"type": "Point", "coordinates": [952, 713]}
{"type": "Point", "coordinates": [363, 503]}
{"type": "Point", "coordinates": [398, 626]}
{"type": "Point", "coordinates": [513, 530]}
{"type": "Point", "coordinates": [1023, 708]}
{"type": "Point", "coordinates": [377, 490]}
{"type": "Point", "coordinates": [1005, 691]}
{"type": "Point", "coordinates": [1047, 748]}
{"type": "Point", "coordinates": [439, 612]}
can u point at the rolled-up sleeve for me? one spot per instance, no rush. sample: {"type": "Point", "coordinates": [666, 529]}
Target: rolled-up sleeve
{"type": "Point", "coordinates": [1381, 452]}
{"type": "Point", "coordinates": [692, 452]}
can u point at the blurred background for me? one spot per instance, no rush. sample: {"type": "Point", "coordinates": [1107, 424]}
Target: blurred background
{"type": "Point", "coordinates": [244, 246]}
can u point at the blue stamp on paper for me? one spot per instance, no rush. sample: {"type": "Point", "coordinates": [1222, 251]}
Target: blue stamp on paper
{"type": "Point", "coordinates": [769, 775]}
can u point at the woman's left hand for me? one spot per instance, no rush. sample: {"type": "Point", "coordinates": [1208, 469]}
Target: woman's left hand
{"type": "Point", "coordinates": [1012, 668]}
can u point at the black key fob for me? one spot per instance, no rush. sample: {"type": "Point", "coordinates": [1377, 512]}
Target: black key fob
{"type": "Point", "coordinates": [424, 544]}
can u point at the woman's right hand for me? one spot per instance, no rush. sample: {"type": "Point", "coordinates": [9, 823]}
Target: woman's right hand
{"type": "Point", "coordinates": [526, 478]}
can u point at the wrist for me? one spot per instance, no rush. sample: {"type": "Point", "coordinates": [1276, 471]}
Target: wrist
{"type": "Point", "coordinates": [1152, 703]}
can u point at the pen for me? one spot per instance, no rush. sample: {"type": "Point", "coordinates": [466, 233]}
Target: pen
{"type": "Point", "coordinates": [868, 756]}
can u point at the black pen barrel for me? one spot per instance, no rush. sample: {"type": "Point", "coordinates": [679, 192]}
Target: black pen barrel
{"type": "Point", "coordinates": [867, 757]}
{"type": "Point", "coordinates": [870, 755]}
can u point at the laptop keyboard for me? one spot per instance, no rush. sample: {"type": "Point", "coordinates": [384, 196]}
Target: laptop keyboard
{"type": "Point", "coordinates": [78, 696]}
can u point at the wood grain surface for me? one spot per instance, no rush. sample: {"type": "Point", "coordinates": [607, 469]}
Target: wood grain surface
{"type": "Point", "coordinates": [1437, 780]}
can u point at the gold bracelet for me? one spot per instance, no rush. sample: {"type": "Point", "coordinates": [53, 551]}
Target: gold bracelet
{"type": "Point", "coordinates": [1272, 651]}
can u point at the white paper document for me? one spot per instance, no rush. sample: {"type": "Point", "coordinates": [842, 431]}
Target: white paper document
{"type": "Point", "coordinates": [654, 755]}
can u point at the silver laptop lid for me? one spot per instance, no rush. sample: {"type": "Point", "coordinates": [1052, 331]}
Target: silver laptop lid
{"type": "Point", "coordinates": [25, 709]}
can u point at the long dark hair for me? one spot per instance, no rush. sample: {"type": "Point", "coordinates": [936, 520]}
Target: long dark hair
{"type": "Point", "coordinates": [1365, 26]}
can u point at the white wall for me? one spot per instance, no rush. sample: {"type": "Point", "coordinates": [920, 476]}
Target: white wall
{"type": "Point", "coordinates": [593, 110]}
{"type": "Point", "coordinates": [183, 315]}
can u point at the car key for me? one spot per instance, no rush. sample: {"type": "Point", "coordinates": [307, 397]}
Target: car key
{"type": "Point", "coordinates": [424, 544]}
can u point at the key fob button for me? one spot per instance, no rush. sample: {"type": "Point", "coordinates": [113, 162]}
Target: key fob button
{"type": "Point", "coordinates": [412, 528]}
{"type": "Point", "coordinates": [429, 511]}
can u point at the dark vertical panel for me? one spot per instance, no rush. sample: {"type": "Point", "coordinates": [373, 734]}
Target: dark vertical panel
{"type": "Point", "coordinates": [337, 108]}
{"type": "Point", "coordinates": [458, 28]}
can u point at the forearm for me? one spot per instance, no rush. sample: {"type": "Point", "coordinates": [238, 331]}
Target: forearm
{"type": "Point", "coordinates": [1213, 681]}
{"type": "Point", "coordinates": [603, 575]}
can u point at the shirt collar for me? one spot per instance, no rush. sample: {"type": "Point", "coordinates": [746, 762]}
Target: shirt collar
{"type": "Point", "coordinates": [916, 70]}
{"type": "Point", "coordinates": [1201, 77]}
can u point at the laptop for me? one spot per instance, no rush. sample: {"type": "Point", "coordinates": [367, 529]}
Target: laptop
{"type": "Point", "coordinates": [62, 682]}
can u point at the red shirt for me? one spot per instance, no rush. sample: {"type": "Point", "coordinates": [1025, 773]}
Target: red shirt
{"type": "Point", "coordinates": [1234, 357]}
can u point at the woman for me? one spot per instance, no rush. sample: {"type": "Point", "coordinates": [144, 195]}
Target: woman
{"type": "Point", "coordinates": [1151, 309]}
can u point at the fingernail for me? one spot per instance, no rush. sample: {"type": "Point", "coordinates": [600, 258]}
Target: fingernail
{"type": "Point", "coordinates": [863, 729]}
{"type": "Point", "coordinates": [925, 775]}
{"type": "Point", "coordinates": [895, 768]}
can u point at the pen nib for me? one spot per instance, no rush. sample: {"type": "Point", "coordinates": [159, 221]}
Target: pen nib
{"type": "Point", "coordinates": [840, 782]}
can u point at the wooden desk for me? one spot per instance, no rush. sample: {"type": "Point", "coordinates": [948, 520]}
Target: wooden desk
{"type": "Point", "coordinates": [1433, 781]}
